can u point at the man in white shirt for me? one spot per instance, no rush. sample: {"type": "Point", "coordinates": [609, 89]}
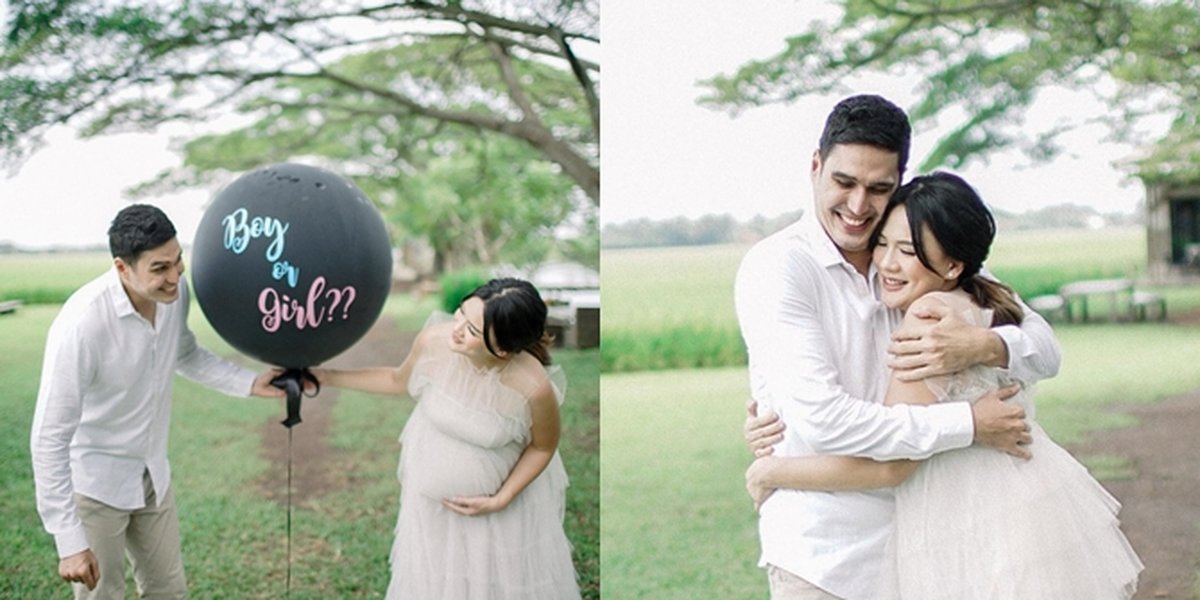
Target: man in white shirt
{"type": "Point", "coordinates": [99, 438]}
{"type": "Point", "coordinates": [816, 334]}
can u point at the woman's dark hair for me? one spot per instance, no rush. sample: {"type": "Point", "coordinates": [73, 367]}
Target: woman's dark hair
{"type": "Point", "coordinates": [958, 219]}
{"type": "Point", "coordinates": [871, 120]}
{"type": "Point", "coordinates": [137, 228]}
{"type": "Point", "coordinates": [515, 315]}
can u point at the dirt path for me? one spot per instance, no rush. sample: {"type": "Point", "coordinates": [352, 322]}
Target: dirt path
{"type": "Point", "coordinates": [1160, 505]}
{"type": "Point", "coordinates": [313, 473]}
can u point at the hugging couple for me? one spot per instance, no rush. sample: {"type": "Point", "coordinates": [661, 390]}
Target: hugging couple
{"type": "Point", "coordinates": [892, 397]}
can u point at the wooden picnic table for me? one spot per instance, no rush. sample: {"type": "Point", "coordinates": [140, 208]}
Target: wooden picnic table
{"type": "Point", "coordinates": [1118, 291]}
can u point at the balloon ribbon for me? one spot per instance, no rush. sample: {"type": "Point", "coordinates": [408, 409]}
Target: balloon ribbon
{"type": "Point", "coordinates": [292, 382]}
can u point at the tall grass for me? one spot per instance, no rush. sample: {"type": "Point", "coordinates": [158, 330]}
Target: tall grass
{"type": "Point", "coordinates": [673, 307]}
{"type": "Point", "coordinates": [669, 308]}
{"type": "Point", "coordinates": [1039, 262]}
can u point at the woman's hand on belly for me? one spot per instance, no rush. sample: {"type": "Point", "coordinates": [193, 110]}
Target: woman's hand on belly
{"type": "Point", "coordinates": [473, 506]}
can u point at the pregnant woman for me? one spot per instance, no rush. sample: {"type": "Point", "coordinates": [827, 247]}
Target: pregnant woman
{"type": "Point", "coordinates": [482, 487]}
{"type": "Point", "coordinates": [971, 523]}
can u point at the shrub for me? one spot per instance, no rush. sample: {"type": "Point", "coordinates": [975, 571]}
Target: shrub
{"type": "Point", "coordinates": [457, 285]}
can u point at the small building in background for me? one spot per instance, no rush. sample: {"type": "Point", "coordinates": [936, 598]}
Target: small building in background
{"type": "Point", "coordinates": [1170, 171]}
{"type": "Point", "coordinates": [572, 293]}
{"type": "Point", "coordinates": [1172, 231]}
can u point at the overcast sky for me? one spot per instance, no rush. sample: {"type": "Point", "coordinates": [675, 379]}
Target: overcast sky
{"type": "Point", "coordinates": [662, 155]}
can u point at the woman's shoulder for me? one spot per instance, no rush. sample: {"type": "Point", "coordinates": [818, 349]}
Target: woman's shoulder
{"type": "Point", "coordinates": [932, 305]}
{"type": "Point", "coordinates": [425, 345]}
{"type": "Point", "coordinates": [955, 300]}
{"type": "Point", "coordinates": [437, 323]}
{"type": "Point", "coordinates": [533, 380]}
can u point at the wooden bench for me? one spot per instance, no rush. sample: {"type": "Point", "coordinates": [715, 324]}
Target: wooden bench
{"type": "Point", "coordinates": [9, 306]}
{"type": "Point", "coordinates": [1142, 301]}
{"type": "Point", "coordinates": [1050, 306]}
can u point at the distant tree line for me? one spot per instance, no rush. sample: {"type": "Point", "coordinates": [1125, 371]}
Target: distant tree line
{"type": "Point", "coordinates": [683, 231]}
{"type": "Point", "coordinates": [724, 229]}
{"type": "Point", "coordinates": [1066, 216]}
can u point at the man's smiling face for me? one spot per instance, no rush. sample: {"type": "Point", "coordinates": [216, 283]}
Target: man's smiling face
{"type": "Point", "coordinates": [851, 187]}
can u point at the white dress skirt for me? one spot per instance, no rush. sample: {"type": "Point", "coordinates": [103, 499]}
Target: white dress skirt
{"type": "Point", "coordinates": [467, 431]}
{"type": "Point", "coordinates": [979, 524]}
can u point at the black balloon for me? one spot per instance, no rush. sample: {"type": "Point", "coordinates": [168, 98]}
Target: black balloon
{"type": "Point", "coordinates": [291, 264]}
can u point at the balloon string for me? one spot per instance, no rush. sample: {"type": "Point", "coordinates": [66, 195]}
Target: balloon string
{"type": "Point", "coordinates": [289, 516]}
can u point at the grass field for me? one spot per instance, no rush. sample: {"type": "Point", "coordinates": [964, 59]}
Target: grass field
{"type": "Point", "coordinates": [670, 308]}
{"type": "Point", "coordinates": [676, 522]}
{"type": "Point", "coordinates": [48, 278]}
{"type": "Point", "coordinates": [233, 537]}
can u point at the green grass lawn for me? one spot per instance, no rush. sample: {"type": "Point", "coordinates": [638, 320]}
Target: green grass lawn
{"type": "Point", "coordinates": [233, 538]}
{"type": "Point", "coordinates": [48, 278]}
{"type": "Point", "coordinates": [677, 522]}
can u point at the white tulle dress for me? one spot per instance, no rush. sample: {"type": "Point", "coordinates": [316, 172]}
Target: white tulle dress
{"type": "Point", "coordinates": [467, 431]}
{"type": "Point", "coordinates": [979, 524]}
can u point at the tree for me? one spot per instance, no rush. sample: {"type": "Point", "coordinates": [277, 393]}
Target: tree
{"type": "Point", "coordinates": [987, 60]}
{"type": "Point", "coordinates": [475, 65]}
{"type": "Point", "coordinates": [488, 204]}
{"type": "Point", "coordinates": [474, 197]}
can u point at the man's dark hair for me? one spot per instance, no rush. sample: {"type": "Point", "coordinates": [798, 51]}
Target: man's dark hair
{"type": "Point", "coordinates": [137, 228]}
{"type": "Point", "coordinates": [868, 119]}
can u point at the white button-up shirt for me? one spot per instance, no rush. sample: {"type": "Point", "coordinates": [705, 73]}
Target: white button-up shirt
{"type": "Point", "coordinates": [817, 337]}
{"type": "Point", "coordinates": [104, 405]}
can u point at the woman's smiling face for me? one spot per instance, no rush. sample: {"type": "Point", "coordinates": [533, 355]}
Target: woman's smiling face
{"type": "Point", "coordinates": [902, 276]}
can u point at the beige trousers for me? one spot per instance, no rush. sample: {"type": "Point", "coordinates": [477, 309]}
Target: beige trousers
{"type": "Point", "coordinates": [148, 535]}
{"type": "Point", "coordinates": [787, 586]}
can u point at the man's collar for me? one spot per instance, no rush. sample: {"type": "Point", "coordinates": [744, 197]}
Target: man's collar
{"type": "Point", "coordinates": [120, 299]}
{"type": "Point", "coordinates": [821, 246]}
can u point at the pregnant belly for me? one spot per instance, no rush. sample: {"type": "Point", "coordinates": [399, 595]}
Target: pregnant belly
{"type": "Point", "coordinates": [453, 468]}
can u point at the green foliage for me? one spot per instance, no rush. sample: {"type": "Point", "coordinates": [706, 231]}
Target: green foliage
{"type": "Point", "coordinates": [455, 286]}
{"type": "Point", "coordinates": [359, 85]}
{"type": "Point", "coordinates": [580, 450]}
{"type": "Point", "coordinates": [678, 231]}
{"type": "Point", "coordinates": [477, 197]}
{"type": "Point", "coordinates": [979, 66]}
{"type": "Point", "coordinates": [681, 346]}
{"type": "Point", "coordinates": [490, 201]}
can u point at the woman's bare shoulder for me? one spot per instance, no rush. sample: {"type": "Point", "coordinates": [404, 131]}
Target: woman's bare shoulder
{"type": "Point", "coordinates": [954, 300]}
{"type": "Point", "coordinates": [528, 376]}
